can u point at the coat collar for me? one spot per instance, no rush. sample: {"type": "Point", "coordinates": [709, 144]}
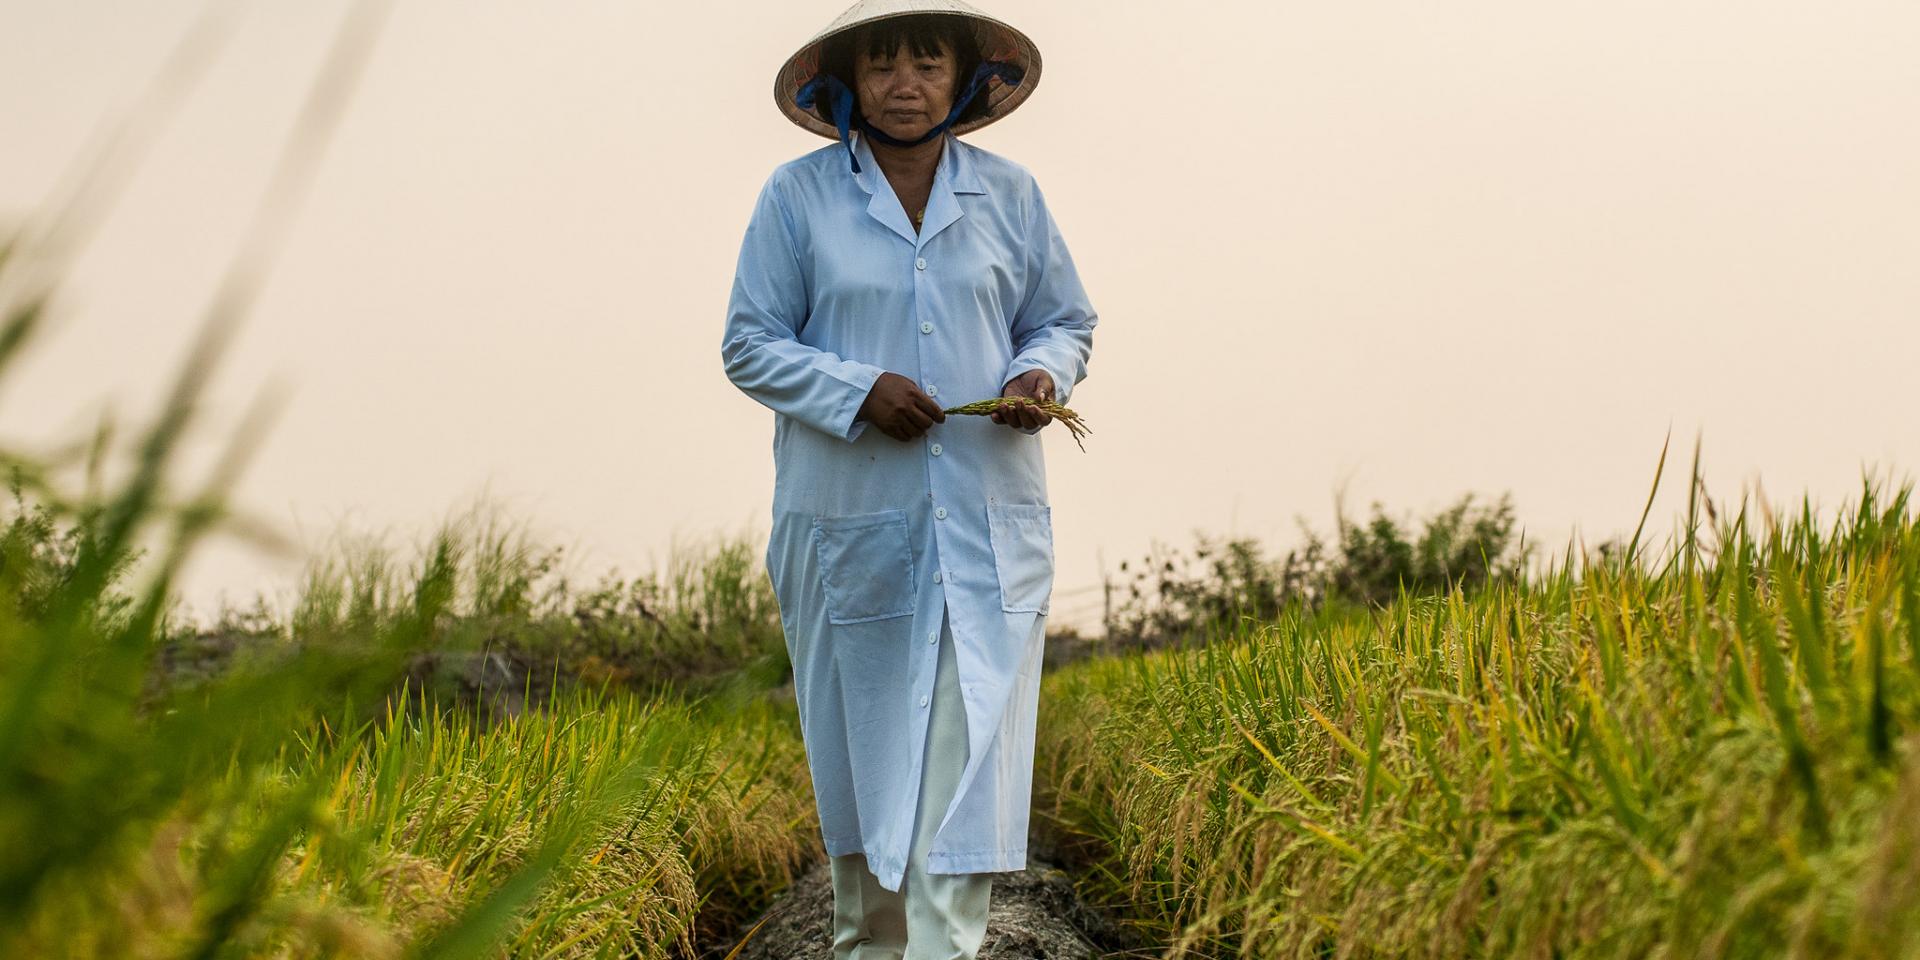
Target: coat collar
{"type": "Point", "coordinates": [953, 176]}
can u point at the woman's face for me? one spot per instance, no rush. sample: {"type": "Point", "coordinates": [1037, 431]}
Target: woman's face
{"type": "Point", "coordinates": [904, 96]}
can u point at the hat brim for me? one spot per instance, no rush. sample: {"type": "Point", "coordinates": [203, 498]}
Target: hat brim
{"type": "Point", "coordinates": [998, 42]}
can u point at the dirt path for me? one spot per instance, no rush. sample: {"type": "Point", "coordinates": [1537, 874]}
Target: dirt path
{"type": "Point", "coordinates": [1035, 916]}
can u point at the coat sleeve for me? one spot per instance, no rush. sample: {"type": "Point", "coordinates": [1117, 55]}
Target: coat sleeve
{"type": "Point", "coordinates": [1053, 329]}
{"type": "Point", "coordinates": [765, 315]}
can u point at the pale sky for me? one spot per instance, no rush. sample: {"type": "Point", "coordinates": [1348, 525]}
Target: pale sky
{"type": "Point", "coordinates": [1420, 249]}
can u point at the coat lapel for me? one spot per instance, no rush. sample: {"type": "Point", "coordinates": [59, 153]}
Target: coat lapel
{"type": "Point", "coordinates": [882, 205]}
{"type": "Point", "coordinates": [952, 177]}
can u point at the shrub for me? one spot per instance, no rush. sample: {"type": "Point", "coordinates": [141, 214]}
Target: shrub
{"type": "Point", "coordinates": [1222, 584]}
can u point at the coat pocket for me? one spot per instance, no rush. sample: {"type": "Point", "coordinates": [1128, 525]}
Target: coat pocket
{"type": "Point", "coordinates": [1022, 535]}
{"type": "Point", "coordinates": [866, 565]}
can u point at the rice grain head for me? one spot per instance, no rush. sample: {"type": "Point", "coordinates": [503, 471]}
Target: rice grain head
{"type": "Point", "coordinates": [982, 408]}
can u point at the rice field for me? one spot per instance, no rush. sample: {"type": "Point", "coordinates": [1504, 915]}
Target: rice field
{"type": "Point", "coordinates": [1700, 750]}
{"type": "Point", "coordinates": [1707, 750]}
{"type": "Point", "coordinates": [597, 827]}
{"type": "Point", "coordinates": [306, 798]}
{"type": "Point", "coordinates": [1704, 749]}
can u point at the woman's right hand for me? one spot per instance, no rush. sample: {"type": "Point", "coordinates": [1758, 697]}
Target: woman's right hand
{"type": "Point", "coordinates": [899, 409]}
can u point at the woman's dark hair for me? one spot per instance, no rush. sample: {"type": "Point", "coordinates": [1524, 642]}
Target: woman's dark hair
{"type": "Point", "coordinates": [923, 34]}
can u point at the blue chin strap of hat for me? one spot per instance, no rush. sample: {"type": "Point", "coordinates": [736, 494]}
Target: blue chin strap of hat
{"type": "Point", "coordinates": [842, 101]}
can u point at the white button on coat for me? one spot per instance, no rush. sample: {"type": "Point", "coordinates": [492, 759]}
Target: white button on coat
{"type": "Point", "coordinates": [920, 264]}
{"type": "Point", "coordinates": [939, 513]}
{"type": "Point", "coordinates": [828, 259]}
{"type": "Point", "coordinates": [926, 327]}
{"type": "Point", "coordinates": [935, 449]}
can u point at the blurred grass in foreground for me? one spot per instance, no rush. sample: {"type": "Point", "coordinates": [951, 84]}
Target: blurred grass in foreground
{"type": "Point", "coordinates": [269, 794]}
{"type": "Point", "coordinates": [1710, 755]}
{"type": "Point", "coordinates": [296, 796]}
{"type": "Point", "coordinates": [427, 819]}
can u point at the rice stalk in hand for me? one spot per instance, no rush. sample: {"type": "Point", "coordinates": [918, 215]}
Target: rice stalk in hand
{"type": "Point", "coordinates": [1053, 410]}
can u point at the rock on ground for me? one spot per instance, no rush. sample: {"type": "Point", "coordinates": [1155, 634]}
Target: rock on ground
{"type": "Point", "coordinates": [1035, 915]}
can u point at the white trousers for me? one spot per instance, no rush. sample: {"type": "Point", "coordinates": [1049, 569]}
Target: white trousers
{"type": "Point", "coordinates": [933, 916]}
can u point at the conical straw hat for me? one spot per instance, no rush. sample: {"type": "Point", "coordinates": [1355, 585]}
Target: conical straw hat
{"type": "Point", "coordinates": [998, 42]}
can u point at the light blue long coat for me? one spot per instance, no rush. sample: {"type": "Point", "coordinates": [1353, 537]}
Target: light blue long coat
{"type": "Point", "coordinates": [872, 536]}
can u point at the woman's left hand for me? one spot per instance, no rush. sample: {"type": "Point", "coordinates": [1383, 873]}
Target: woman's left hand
{"type": "Point", "coordinates": [1034, 384]}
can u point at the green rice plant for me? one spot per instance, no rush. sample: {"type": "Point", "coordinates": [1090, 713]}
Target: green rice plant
{"type": "Point", "coordinates": [1706, 749]}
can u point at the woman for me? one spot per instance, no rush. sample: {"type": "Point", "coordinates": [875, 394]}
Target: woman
{"type": "Point", "coordinates": [883, 277]}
